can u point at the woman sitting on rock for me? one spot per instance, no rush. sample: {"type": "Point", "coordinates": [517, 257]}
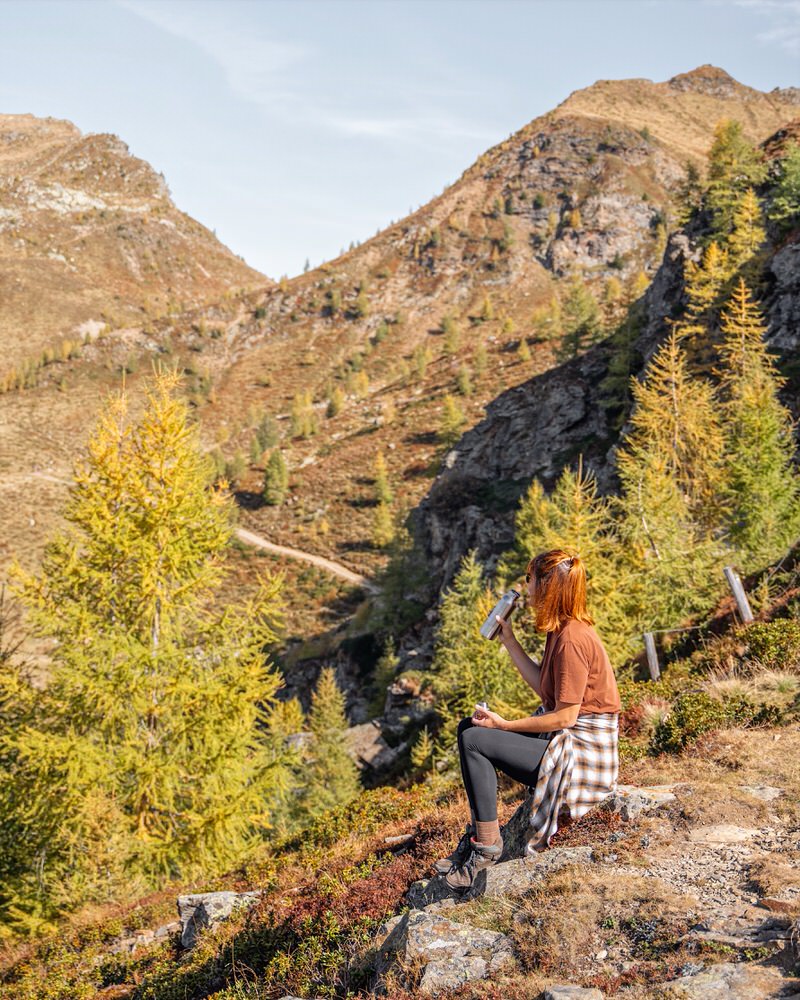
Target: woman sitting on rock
{"type": "Point", "coordinates": [567, 751]}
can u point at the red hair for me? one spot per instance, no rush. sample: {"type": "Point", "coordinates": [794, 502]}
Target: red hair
{"type": "Point", "coordinates": [560, 591]}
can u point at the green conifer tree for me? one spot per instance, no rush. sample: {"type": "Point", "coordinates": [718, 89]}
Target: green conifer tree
{"type": "Point", "coordinates": [785, 208]}
{"type": "Point", "coordinates": [452, 336]}
{"type": "Point", "coordinates": [276, 479]}
{"type": "Point", "coordinates": [734, 164]}
{"type": "Point", "coordinates": [146, 754]}
{"type": "Point", "coordinates": [580, 319]}
{"type": "Point", "coordinates": [763, 485]}
{"type": "Point", "coordinates": [332, 777]}
{"type": "Point", "coordinates": [467, 668]}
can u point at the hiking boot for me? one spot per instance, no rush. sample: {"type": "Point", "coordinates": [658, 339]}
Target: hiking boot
{"type": "Point", "coordinates": [459, 855]}
{"type": "Point", "coordinates": [481, 856]}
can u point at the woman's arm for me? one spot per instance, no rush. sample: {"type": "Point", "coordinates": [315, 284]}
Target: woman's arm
{"type": "Point", "coordinates": [528, 668]}
{"type": "Point", "coordinates": [563, 716]}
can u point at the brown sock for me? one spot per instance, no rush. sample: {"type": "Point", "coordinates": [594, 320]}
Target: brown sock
{"type": "Point", "coordinates": [487, 833]}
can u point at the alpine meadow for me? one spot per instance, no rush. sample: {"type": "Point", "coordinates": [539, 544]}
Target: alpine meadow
{"type": "Point", "coordinates": [252, 527]}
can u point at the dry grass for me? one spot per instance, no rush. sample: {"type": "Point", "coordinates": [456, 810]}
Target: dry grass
{"type": "Point", "coordinates": [577, 912]}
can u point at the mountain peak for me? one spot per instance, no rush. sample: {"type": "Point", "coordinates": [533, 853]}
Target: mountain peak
{"type": "Point", "coordinates": [707, 79]}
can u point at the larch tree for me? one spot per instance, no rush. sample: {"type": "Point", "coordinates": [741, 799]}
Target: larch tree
{"type": "Point", "coordinates": [466, 667]}
{"type": "Point", "coordinates": [669, 471]}
{"type": "Point", "coordinates": [675, 416]}
{"type": "Point", "coordinates": [747, 234]}
{"type": "Point", "coordinates": [331, 777]}
{"type": "Point", "coordinates": [575, 518]}
{"type": "Point", "coordinates": [146, 755]}
{"type": "Point", "coordinates": [763, 485]}
{"type": "Point", "coordinates": [734, 164]}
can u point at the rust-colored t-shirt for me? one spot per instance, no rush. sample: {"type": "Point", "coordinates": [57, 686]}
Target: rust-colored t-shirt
{"type": "Point", "coordinates": [576, 669]}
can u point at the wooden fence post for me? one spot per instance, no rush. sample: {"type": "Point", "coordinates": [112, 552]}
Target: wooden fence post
{"type": "Point", "coordinates": [739, 594]}
{"type": "Point", "coordinates": [652, 656]}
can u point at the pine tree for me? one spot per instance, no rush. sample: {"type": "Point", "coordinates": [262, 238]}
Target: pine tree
{"type": "Point", "coordinates": [361, 307]}
{"type": "Point", "coordinates": [452, 421]}
{"type": "Point", "coordinates": [785, 208]}
{"type": "Point", "coordinates": [734, 165]}
{"type": "Point", "coordinates": [383, 491]}
{"type": "Point", "coordinates": [689, 197]}
{"type": "Point", "coordinates": [674, 564]}
{"type": "Point", "coordinates": [276, 479]}
{"type": "Point", "coordinates": [332, 777]}
{"type": "Point", "coordinates": [763, 485]}
{"type": "Point", "coordinates": [145, 756]}
{"type": "Point", "coordinates": [467, 668]}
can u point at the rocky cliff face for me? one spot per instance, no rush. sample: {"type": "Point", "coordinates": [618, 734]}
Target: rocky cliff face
{"type": "Point", "coordinates": [535, 429]}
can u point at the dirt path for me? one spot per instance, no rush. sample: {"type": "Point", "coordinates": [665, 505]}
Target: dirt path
{"type": "Point", "coordinates": [251, 538]}
{"type": "Point", "coordinates": [328, 564]}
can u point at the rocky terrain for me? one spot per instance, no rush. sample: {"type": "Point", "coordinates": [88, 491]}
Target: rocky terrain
{"type": "Point", "coordinates": [683, 884]}
{"type": "Point", "coordinates": [90, 240]}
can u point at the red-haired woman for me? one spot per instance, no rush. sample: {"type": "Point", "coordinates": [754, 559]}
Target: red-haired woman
{"type": "Point", "coordinates": [576, 724]}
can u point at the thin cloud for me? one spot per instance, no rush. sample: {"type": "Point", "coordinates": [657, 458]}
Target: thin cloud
{"type": "Point", "coordinates": [785, 29]}
{"type": "Point", "coordinates": [265, 72]}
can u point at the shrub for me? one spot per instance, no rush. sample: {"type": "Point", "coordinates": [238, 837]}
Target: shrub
{"type": "Point", "coordinates": [776, 644]}
{"type": "Point", "coordinates": [696, 713]}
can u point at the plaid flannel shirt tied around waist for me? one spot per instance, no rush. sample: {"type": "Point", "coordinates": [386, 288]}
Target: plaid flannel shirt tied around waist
{"type": "Point", "coordinates": [579, 769]}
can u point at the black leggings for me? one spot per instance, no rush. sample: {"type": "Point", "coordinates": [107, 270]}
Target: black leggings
{"type": "Point", "coordinates": [482, 750]}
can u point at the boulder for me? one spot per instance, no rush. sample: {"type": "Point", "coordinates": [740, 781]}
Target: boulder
{"type": "Point", "coordinates": [740, 931]}
{"type": "Point", "coordinates": [729, 981]}
{"type": "Point", "coordinates": [631, 800]}
{"type": "Point", "coordinates": [572, 993]}
{"type": "Point", "coordinates": [628, 800]}
{"type": "Point", "coordinates": [507, 878]}
{"type": "Point", "coordinates": [206, 909]}
{"type": "Point", "coordinates": [449, 954]}
{"type": "Point", "coordinates": [368, 746]}
{"type": "Point", "coordinates": [767, 793]}
{"type": "Point", "coordinates": [722, 833]}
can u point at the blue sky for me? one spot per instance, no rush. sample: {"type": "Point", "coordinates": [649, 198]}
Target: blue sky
{"type": "Point", "coordinates": [293, 127]}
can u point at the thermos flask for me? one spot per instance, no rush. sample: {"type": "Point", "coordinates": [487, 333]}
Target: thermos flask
{"type": "Point", "coordinates": [503, 608]}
